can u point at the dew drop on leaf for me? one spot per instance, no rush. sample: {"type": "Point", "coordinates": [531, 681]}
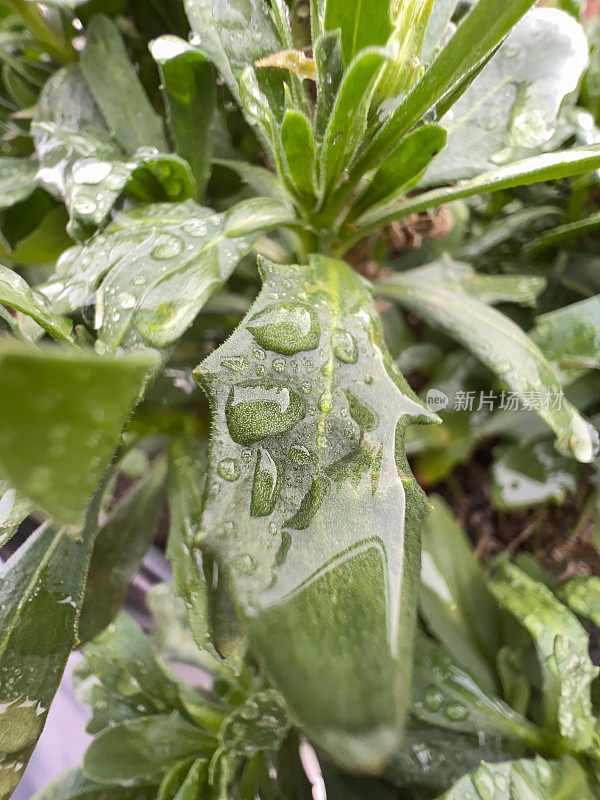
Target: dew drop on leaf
{"type": "Point", "coordinates": [256, 410]}
{"type": "Point", "coordinates": [167, 246]}
{"type": "Point", "coordinates": [265, 488]}
{"type": "Point", "coordinates": [229, 469]}
{"type": "Point", "coordinates": [286, 328]}
{"type": "Point", "coordinates": [344, 346]}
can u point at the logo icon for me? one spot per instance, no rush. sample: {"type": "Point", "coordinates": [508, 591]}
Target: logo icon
{"type": "Point", "coordinates": [436, 400]}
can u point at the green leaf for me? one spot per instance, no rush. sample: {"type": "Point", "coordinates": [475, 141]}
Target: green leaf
{"type": "Point", "coordinates": [523, 477]}
{"type": "Point", "coordinates": [545, 167]}
{"type": "Point", "coordinates": [202, 23]}
{"type": "Point", "coordinates": [478, 34]}
{"type": "Point", "coordinates": [454, 599]}
{"type": "Point", "coordinates": [16, 180]}
{"type": "Point", "coordinates": [568, 337]}
{"type": "Point", "coordinates": [402, 167]}
{"type": "Point", "coordinates": [41, 588]}
{"type": "Point", "coordinates": [55, 449]}
{"type": "Point", "coordinates": [330, 69]}
{"type": "Point", "coordinates": [499, 343]}
{"type": "Point", "coordinates": [582, 595]}
{"type": "Point", "coordinates": [446, 696]}
{"type": "Point", "coordinates": [299, 149]}
{"type": "Point", "coordinates": [362, 24]}
{"type": "Point", "coordinates": [512, 105]}
{"type": "Point", "coordinates": [158, 265]}
{"type": "Point", "coordinates": [258, 724]}
{"type": "Point", "coordinates": [348, 121]}
{"type": "Point", "coordinates": [561, 235]}
{"type": "Point", "coordinates": [111, 78]}
{"type": "Point", "coordinates": [141, 750]}
{"type": "Point", "coordinates": [16, 293]}
{"type": "Point", "coordinates": [187, 469]}
{"type": "Point", "coordinates": [562, 646]}
{"type": "Point", "coordinates": [440, 16]}
{"type": "Point", "coordinates": [189, 90]}
{"type": "Point", "coordinates": [194, 782]}
{"type": "Point", "coordinates": [309, 418]}
{"type": "Point", "coordinates": [121, 543]}
{"type": "Point", "coordinates": [73, 785]}
{"type": "Point", "coordinates": [534, 779]}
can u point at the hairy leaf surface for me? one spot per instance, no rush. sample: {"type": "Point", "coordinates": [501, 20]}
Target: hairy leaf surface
{"type": "Point", "coordinates": [311, 508]}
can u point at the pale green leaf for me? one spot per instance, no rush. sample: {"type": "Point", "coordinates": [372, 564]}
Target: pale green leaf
{"type": "Point", "coordinates": [309, 419]}
{"type": "Point", "coordinates": [16, 180]}
{"type": "Point", "coordinates": [582, 595]}
{"type": "Point", "coordinates": [17, 294]}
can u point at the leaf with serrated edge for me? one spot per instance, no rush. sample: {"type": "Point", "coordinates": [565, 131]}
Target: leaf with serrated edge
{"type": "Point", "coordinates": [562, 646]}
{"type": "Point", "coordinates": [498, 342]}
{"type": "Point", "coordinates": [310, 496]}
{"type": "Point", "coordinates": [41, 587]}
{"type": "Point", "coordinates": [55, 448]}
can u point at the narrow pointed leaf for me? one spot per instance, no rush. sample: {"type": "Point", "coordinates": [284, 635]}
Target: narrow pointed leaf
{"type": "Point", "coordinates": [545, 167]}
{"type": "Point", "coordinates": [562, 646]}
{"type": "Point", "coordinates": [55, 449]}
{"type": "Point", "coordinates": [309, 419]}
{"type": "Point", "coordinates": [188, 86]}
{"type": "Point", "coordinates": [111, 78]}
{"type": "Point", "coordinates": [500, 344]}
{"type": "Point", "coordinates": [299, 148]}
{"type": "Point", "coordinates": [330, 69]}
{"type": "Point", "coordinates": [121, 543]}
{"type": "Point", "coordinates": [41, 588]}
{"type": "Point", "coordinates": [512, 105]}
{"type": "Point", "coordinates": [17, 294]}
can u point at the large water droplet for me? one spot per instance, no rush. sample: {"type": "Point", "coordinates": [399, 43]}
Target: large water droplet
{"type": "Point", "coordinates": [90, 171]}
{"type": "Point", "coordinates": [286, 328]}
{"type": "Point", "coordinates": [229, 469]}
{"type": "Point", "coordinates": [265, 488]}
{"type": "Point", "coordinates": [433, 699]}
{"type": "Point", "coordinates": [256, 410]}
{"type": "Point", "coordinates": [455, 712]}
{"type": "Point", "coordinates": [344, 346]}
{"type": "Point", "coordinates": [167, 246]}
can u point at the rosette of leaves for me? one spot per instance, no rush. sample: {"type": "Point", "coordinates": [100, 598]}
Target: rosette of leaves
{"type": "Point", "coordinates": [176, 162]}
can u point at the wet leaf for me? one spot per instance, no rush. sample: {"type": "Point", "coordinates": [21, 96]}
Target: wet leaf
{"type": "Point", "coordinates": [17, 294]}
{"type": "Point", "coordinates": [582, 595]}
{"type": "Point", "coordinates": [259, 724]}
{"type": "Point", "coordinates": [500, 344]}
{"type": "Point", "coordinates": [523, 477]}
{"type": "Point", "coordinates": [570, 337]}
{"type": "Point", "coordinates": [309, 420]}
{"type": "Point", "coordinates": [562, 646]}
{"type": "Point", "coordinates": [446, 696]}
{"type": "Point", "coordinates": [56, 447]}
{"type": "Point", "coordinates": [188, 87]}
{"type": "Point", "coordinates": [454, 599]}
{"type": "Point", "coordinates": [512, 105]}
{"type": "Point", "coordinates": [440, 17]}
{"type": "Point", "coordinates": [41, 587]}
{"type": "Point", "coordinates": [13, 510]}
{"type": "Point", "coordinates": [111, 77]}
{"type": "Point", "coordinates": [74, 785]}
{"type": "Point", "coordinates": [536, 779]}
{"type": "Point", "coordinates": [16, 180]}
{"type": "Point", "coordinates": [158, 265]}
{"type": "Point", "coordinates": [121, 543]}
{"type": "Point", "coordinates": [299, 148]}
{"type": "Point", "coordinates": [141, 750]}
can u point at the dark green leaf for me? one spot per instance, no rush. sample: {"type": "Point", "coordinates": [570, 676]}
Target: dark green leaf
{"type": "Point", "coordinates": [16, 293]}
{"type": "Point", "coordinates": [74, 785]}
{"type": "Point", "coordinates": [309, 423]}
{"type": "Point", "coordinates": [140, 751]}
{"type": "Point", "coordinates": [562, 646]}
{"type": "Point", "coordinates": [117, 89]}
{"type": "Point", "coordinates": [299, 148]}
{"type": "Point", "coordinates": [260, 723]}
{"type": "Point", "coordinates": [41, 587]}
{"type": "Point", "coordinates": [188, 86]}
{"type": "Point", "coordinates": [56, 447]}
{"type": "Point", "coordinates": [561, 235]}
{"type": "Point", "coordinates": [120, 545]}
{"type": "Point", "coordinates": [160, 264]}
{"type": "Point", "coordinates": [500, 344]}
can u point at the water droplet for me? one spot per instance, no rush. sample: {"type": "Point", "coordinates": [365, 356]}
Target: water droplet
{"type": "Point", "coordinates": [90, 171]}
{"type": "Point", "coordinates": [256, 410]}
{"type": "Point", "coordinates": [325, 402]}
{"type": "Point", "coordinates": [126, 300]}
{"type": "Point", "coordinates": [433, 699]}
{"type": "Point", "coordinates": [167, 246]}
{"type": "Point", "coordinates": [194, 227]}
{"type": "Point", "coordinates": [279, 365]}
{"type": "Point", "coordinates": [229, 469]}
{"type": "Point", "coordinates": [344, 346]}
{"type": "Point", "coordinates": [244, 563]}
{"type": "Point", "coordinates": [265, 488]}
{"type": "Point", "coordinates": [455, 712]}
{"type": "Point", "coordinates": [300, 454]}
{"type": "Point", "coordinates": [484, 783]}
{"type": "Point", "coordinates": [286, 328]}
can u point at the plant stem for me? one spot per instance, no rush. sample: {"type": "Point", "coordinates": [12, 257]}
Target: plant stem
{"type": "Point", "coordinates": [61, 50]}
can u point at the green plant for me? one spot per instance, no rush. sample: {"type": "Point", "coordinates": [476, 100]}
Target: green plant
{"type": "Point", "coordinates": [294, 533]}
